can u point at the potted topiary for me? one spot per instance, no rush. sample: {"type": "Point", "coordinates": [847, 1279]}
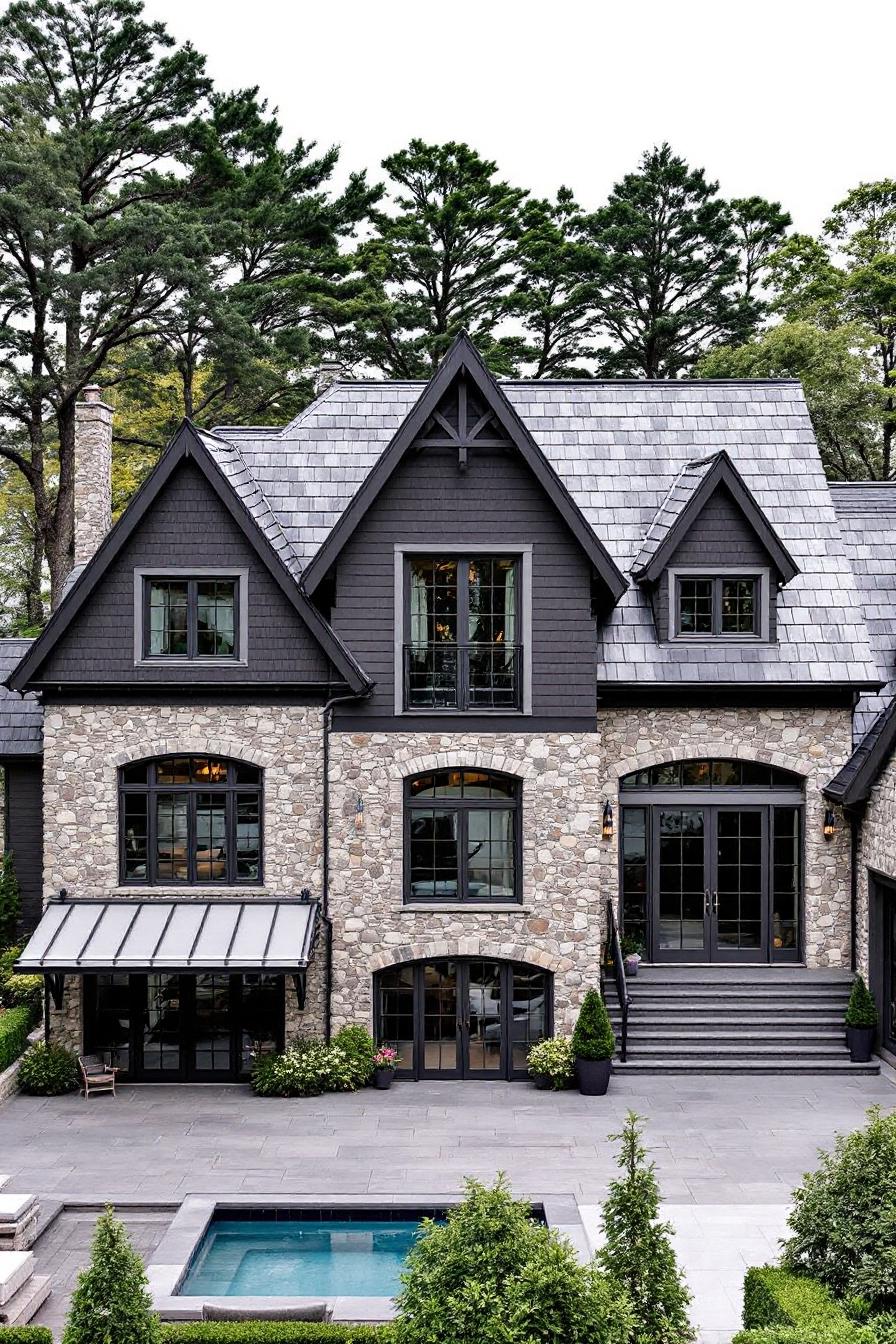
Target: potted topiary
{"type": "Point", "coordinates": [861, 1021]}
{"type": "Point", "coordinates": [593, 1045]}
{"type": "Point", "coordinates": [385, 1062]}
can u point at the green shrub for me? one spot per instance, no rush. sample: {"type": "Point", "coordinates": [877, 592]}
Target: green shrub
{"type": "Point", "coordinates": [861, 1011]}
{"type": "Point", "coordinates": [15, 1024]}
{"type": "Point", "coordinates": [23, 991]}
{"type": "Point", "coordinates": [884, 1327]}
{"type": "Point", "coordinates": [593, 1036]}
{"type": "Point", "coordinates": [111, 1300]}
{"type": "Point", "coordinates": [8, 958]}
{"type": "Point", "coordinates": [273, 1332]}
{"type": "Point", "coordinates": [553, 1058]}
{"type": "Point", "coordinates": [48, 1071]}
{"type": "Point", "coordinates": [637, 1252]}
{"type": "Point", "coordinates": [844, 1332]}
{"type": "Point", "coordinates": [775, 1296]}
{"type": "Point", "coordinates": [360, 1047]}
{"type": "Point", "coordinates": [10, 903]}
{"type": "Point", "coordinates": [491, 1273]}
{"type": "Point", "coordinates": [843, 1222]}
{"type": "Point", "coordinates": [308, 1068]}
{"type": "Point", "coordinates": [26, 1334]}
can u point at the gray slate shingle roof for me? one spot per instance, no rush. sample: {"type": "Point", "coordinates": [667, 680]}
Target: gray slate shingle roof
{"type": "Point", "coordinates": [21, 718]}
{"type": "Point", "coordinates": [680, 491]}
{"type": "Point", "coordinates": [867, 514]}
{"type": "Point", "coordinates": [619, 447]}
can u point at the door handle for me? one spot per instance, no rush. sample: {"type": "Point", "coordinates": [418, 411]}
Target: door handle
{"type": "Point", "coordinates": [706, 904]}
{"type": "Point", "coordinates": [715, 904]}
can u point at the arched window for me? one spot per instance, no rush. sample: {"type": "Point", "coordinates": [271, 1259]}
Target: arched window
{"type": "Point", "coordinates": [711, 774]}
{"type": "Point", "coordinates": [190, 820]}
{"type": "Point", "coordinates": [462, 837]}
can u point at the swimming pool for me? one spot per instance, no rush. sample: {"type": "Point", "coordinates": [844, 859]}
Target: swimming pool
{"type": "Point", "coordinates": [293, 1253]}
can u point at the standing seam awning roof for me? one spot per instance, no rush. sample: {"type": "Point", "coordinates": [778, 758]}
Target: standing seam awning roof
{"type": "Point", "coordinates": [125, 935]}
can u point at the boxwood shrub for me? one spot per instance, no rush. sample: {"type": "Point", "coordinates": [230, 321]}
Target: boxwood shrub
{"type": "Point", "coordinates": [776, 1297]}
{"type": "Point", "coordinates": [15, 1024]}
{"type": "Point", "coordinates": [26, 1334]}
{"type": "Point", "coordinates": [48, 1071]}
{"type": "Point", "coordinates": [273, 1332]}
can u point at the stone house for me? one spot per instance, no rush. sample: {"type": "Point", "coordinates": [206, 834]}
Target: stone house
{"type": "Point", "coordinates": [382, 716]}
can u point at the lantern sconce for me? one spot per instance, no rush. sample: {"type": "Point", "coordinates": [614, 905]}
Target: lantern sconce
{"type": "Point", "coordinates": [359, 814]}
{"type": "Point", "coordinates": [607, 827]}
{"type": "Point", "coordinates": [829, 827]}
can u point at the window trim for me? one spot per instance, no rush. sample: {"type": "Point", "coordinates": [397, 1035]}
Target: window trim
{"type": "Point", "coordinates": [144, 575]}
{"type": "Point", "coordinates": [151, 788]}
{"type": "Point", "coordinates": [717, 577]}
{"type": "Point", "coordinates": [459, 550]}
{"type": "Point", "coordinates": [462, 805]}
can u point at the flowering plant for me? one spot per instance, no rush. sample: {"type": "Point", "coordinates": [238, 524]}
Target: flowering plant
{"type": "Point", "coordinates": [553, 1059]}
{"type": "Point", "coordinates": [386, 1058]}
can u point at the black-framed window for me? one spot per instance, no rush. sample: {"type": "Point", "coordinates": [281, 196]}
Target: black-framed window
{"type": "Point", "coordinates": [190, 820]}
{"type": "Point", "coordinates": [717, 605]}
{"type": "Point", "coordinates": [191, 618]}
{"type": "Point", "coordinates": [462, 837]}
{"type": "Point", "coordinates": [462, 633]}
{"type": "Point", "coordinates": [707, 773]}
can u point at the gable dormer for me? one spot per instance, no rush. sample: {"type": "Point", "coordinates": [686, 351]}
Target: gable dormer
{"type": "Point", "coordinates": [711, 561]}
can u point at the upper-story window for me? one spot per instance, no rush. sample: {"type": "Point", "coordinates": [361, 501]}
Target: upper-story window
{"type": "Point", "coordinates": [711, 606]}
{"type": "Point", "coordinates": [191, 617]}
{"type": "Point", "coordinates": [462, 831]}
{"type": "Point", "coordinates": [190, 820]}
{"type": "Point", "coordinates": [462, 647]}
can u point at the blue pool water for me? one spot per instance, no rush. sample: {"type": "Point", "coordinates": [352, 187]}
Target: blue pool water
{"type": "Point", "coordinates": [329, 1258]}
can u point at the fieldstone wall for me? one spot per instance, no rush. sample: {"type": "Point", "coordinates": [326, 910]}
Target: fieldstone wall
{"type": "Point", "coordinates": [568, 869]}
{"type": "Point", "coordinates": [84, 746]}
{"type": "Point", "coordinates": [877, 852]}
{"type": "Point", "coordinates": [93, 474]}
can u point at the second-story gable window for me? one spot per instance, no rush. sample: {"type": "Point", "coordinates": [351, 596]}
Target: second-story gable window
{"type": "Point", "coordinates": [716, 605]}
{"type": "Point", "coordinates": [191, 618]}
{"type": "Point", "coordinates": [462, 619]}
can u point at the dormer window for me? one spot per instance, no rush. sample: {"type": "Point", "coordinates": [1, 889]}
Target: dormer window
{"type": "Point", "coordinates": [710, 606]}
{"type": "Point", "coordinates": [198, 616]}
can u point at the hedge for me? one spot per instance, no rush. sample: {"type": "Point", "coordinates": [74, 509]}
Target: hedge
{"type": "Point", "coordinates": [272, 1332]}
{"type": "Point", "coordinates": [784, 1308]}
{"type": "Point", "coordinates": [25, 1334]}
{"type": "Point", "coordinates": [15, 1024]}
{"type": "Point", "coordinates": [810, 1332]}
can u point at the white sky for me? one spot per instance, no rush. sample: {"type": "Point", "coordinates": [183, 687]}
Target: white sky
{"type": "Point", "coordinates": [789, 99]}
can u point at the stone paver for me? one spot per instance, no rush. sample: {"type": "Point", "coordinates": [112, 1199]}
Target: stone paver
{"type": "Point", "coordinates": [716, 1142]}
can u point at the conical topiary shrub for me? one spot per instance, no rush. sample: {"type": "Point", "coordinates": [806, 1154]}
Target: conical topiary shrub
{"type": "Point", "coordinates": [111, 1300]}
{"type": "Point", "coordinates": [861, 1021]}
{"type": "Point", "coordinates": [593, 1045]}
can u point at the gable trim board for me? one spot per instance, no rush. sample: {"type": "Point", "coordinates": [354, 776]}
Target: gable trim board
{"type": "Point", "coordinates": [717, 471]}
{"type": "Point", "coordinates": [187, 444]}
{"type": "Point", "coordinates": [463, 359]}
{"type": "Point", "coordinates": [852, 784]}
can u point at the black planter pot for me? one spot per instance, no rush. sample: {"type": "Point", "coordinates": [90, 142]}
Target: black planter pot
{"type": "Point", "coordinates": [860, 1041]}
{"type": "Point", "coordinates": [594, 1076]}
{"type": "Point", "coordinates": [541, 1080]}
{"type": "Point", "coordinates": [382, 1078]}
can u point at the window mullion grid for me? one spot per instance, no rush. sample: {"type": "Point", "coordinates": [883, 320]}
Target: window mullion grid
{"type": "Point", "coordinates": [192, 621]}
{"type": "Point", "coordinates": [717, 606]}
{"type": "Point", "coordinates": [230, 835]}
{"type": "Point", "coordinates": [463, 854]}
{"type": "Point", "coordinates": [463, 632]}
{"type": "Point", "coordinates": [152, 830]}
{"type": "Point", "coordinates": [191, 797]}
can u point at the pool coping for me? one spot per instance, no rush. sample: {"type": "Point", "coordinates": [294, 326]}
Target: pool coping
{"type": "Point", "coordinates": [174, 1252]}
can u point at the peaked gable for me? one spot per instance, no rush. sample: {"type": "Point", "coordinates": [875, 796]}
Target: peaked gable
{"type": "Point", "coordinates": [689, 495]}
{"type": "Point", "coordinates": [190, 450]}
{"type": "Point", "coordinates": [484, 415]}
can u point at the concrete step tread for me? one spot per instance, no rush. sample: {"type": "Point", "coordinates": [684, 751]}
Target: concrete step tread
{"type": "Point", "coordinates": [746, 1066]}
{"type": "Point", "coordinates": [657, 1046]}
{"type": "Point", "coordinates": [637, 1032]}
{"type": "Point", "coordinates": [21, 1308]}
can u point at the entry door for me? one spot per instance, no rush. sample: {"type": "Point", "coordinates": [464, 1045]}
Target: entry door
{"type": "Point", "coordinates": [187, 1027]}
{"type": "Point", "coordinates": [464, 1012]}
{"type": "Point", "coordinates": [888, 1023]}
{"type": "Point", "coordinates": [710, 883]}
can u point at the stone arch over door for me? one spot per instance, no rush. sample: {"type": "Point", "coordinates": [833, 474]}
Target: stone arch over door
{"type": "Point", "coordinates": [488, 949]}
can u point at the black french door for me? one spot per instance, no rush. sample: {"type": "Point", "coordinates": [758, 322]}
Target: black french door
{"type": "Point", "coordinates": [710, 883]}
{"type": "Point", "coordinates": [167, 1027]}
{"type": "Point", "coordinates": [463, 1018]}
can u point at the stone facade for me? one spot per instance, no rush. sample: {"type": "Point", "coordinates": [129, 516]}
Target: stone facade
{"type": "Point", "coordinates": [568, 869]}
{"type": "Point", "coordinates": [93, 474]}
{"type": "Point", "coordinates": [84, 746]}
{"type": "Point", "coordinates": [877, 853]}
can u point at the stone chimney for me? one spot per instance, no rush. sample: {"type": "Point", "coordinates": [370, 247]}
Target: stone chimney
{"type": "Point", "coordinates": [330, 371]}
{"type": "Point", "coordinates": [93, 473]}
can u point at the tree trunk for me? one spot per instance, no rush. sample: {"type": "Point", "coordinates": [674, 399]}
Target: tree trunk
{"type": "Point", "coordinates": [34, 603]}
{"type": "Point", "coordinates": [60, 536]}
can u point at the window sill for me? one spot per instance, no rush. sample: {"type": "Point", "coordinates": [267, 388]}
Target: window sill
{"type": "Point", "coordinates": [191, 662]}
{"type": "Point", "coordinates": [466, 907]}
{"type": "Point", "coordinates": [243, 891]}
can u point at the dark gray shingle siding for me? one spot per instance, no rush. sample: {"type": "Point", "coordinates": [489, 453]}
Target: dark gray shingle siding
{"type": "Point", "coordinates": [21, 718]}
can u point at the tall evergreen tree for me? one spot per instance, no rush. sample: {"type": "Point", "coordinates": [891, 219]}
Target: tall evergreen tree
{"type": "Point", "coordinates": [665, 265]}
{"type": "Point", "coordinates": [552, 296]}
{"type": "Point", "coordinates": [441, 261]}
{"type": "Point", "coordinates": [637, 1252]}
{"type": "Point", "coordinates": [759, 228]}
{"type": "Point", "coordinates": [111, 1301]}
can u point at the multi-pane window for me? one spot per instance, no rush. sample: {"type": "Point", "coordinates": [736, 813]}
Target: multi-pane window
{"type": "Point", "coordinates": [191, 618]}
{"type": "Point", "coordinates": [190, 820]}
{"type": "Point", "coordinates": [715, 605]}
{"type": "Point", "coordinates": [462, 624]}
{"type": "Point", "coordinates": [462, 836]}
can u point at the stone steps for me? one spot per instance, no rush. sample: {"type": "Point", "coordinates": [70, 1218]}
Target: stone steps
{"type": "Point", "coordinates": [24, 1306]}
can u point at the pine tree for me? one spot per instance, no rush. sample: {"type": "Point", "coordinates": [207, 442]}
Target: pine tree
{"type": "Point", "coordinates": [111, 1301]}
{"type": "Point", "coordinates": [552, 297]}
{"type": "Point", "coordinates": [638, 1252]}
{"type": "Point", "coordinates": [593, 1036]}
{"type": "Point", "coordinates": [10, 902]}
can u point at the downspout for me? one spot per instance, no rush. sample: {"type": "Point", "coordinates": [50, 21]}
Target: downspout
{"type": "Point", "coordinates": [325, 853]}
{"type": "Point", "coordinates": [855, 834]}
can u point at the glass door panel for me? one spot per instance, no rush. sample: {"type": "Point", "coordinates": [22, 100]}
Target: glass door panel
{"type": "Point", "coordinates": [161, 1044]}
{"type": "Point", "coordinates": [484, 1018]}
{"type": "Point", "coordinates": [529, 1009]}
{"type": "Point", "coordinates": [212, 1026]}
{"type": "Point", "coordinates": [440, 1019]}
{"type": "Point", "coordinates": [739, 884]}
{"type": "Point", "coordinates": [889, 1014]}
{"type": "Point", "coordinates": [681, 883]}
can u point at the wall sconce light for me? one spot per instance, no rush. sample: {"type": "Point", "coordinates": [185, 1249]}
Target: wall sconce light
{"type": "Point", "coordinates": [359, 814]}
{"type": "Point", "coordinates": [607, 827]}
{"type": "Point", "coordinates": [830, 824]}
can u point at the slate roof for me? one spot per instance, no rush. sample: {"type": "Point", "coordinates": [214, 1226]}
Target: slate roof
{"type": "Point", "coordinates": [680, 492]}
{"type": "Point", "coordinates": [21, 717]}
{"type": "Point", "coordinates": [619, 447]}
